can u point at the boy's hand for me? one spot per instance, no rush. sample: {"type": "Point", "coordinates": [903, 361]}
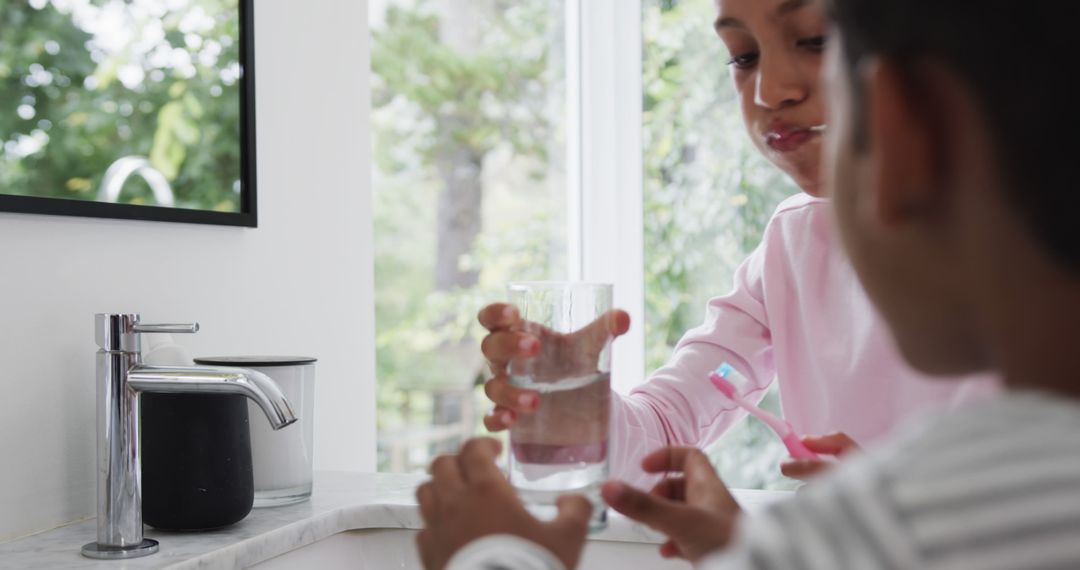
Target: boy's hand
{"type": "Point", "coordinates": [835, 444]}
{"type": "Point", "coordinates": [469, 498]}
{"type": "Point", "coordinates": [695, 510]}
{"type": "Point", "coordinates": [515, 342]}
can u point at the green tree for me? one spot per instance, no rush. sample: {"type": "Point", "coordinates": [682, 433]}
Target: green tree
{"type": "Point", "coordinates": [70, 105]}
{"type": "Point", "coordinates": [463, 120]}
{"type": "Point", "coordinates": [474, 74]}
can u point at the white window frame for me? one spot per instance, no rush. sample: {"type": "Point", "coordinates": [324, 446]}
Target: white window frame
{"type": "Point", "coordinates": [605, 164]}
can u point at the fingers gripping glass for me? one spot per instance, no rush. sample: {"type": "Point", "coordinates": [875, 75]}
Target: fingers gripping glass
{"type": "Point", "coordinates": [562, 448]}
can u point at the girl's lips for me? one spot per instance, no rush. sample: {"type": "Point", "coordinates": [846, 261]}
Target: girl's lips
{"type": "Point", "coordinates": [789, 139]}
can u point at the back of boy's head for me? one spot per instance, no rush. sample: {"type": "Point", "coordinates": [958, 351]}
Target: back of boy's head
{"type": "Point", "coordinates": [1018, 59]}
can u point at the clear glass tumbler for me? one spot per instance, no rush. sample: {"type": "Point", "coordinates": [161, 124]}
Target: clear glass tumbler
{"type": "Point", "coordinates": [281, 460]}
{"type": "Point", "coordinates": [562, 448]}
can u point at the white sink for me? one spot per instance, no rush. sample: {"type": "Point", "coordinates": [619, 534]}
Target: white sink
{"type": "Point", "coordinates": [353, 520]}
{"type": "Point", "coordinates": [382, 549]}
{"type": "Point", "coordinates": [623, 545]}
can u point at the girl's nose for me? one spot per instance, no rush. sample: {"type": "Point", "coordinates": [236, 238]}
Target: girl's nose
{"type": "Point", "coordinates": [780, 83]}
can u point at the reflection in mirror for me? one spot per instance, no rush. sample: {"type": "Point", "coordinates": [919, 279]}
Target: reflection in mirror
{"type": "Point", "coordinates": [127, 108]}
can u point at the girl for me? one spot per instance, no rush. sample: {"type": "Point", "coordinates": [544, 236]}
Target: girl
{"type": "Point", "coordinates": [797, 311]}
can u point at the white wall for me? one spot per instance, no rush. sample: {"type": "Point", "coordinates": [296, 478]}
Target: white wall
{"type": "Point", "coordinates": [300, 283]}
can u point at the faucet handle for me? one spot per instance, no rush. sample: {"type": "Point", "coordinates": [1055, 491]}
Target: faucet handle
{"type": "Point", "coordinates": [173, 328]}
{"type": "Point", "coordinates": [120, 332]}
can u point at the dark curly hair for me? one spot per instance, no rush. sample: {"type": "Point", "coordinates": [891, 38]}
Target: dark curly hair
{"type": "Point", "coordinates": [1018, 58]}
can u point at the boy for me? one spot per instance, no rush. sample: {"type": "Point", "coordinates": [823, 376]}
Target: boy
{"type": "Point", "coordinates": [948, 163]}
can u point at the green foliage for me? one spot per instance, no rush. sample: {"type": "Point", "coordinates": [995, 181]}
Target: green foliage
{"type": "Point", "coordinates": [430, 99]}
{"type": "Point", "coordinates": [708, 193]}
{"type": "Point", "coordinates": [491, 95]}
{"type": "Point", "coordinates": [85, 117]}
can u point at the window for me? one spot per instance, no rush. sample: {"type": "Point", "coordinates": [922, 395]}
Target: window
{"type": "Point", "coordinates": [470, 193]}
{"type": "Point", "coordinates": [520, 123]}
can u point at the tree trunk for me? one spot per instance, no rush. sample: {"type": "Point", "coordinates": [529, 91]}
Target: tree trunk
{"type": "Point", "coordinates": [459, 219]}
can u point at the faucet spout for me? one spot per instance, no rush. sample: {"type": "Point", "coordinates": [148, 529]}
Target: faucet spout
{"type": "Point", "coordinates": [216, 379]}
{"type": "Point", "coordinates": [121, 377]}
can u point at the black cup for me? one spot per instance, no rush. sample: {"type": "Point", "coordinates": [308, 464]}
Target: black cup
{"type": "Point", "coordinates": [196, 460]}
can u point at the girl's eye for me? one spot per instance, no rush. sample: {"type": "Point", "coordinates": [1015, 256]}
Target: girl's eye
{"type": "Point", "coordinates": [744, 61]}
{"type": "Point", "coordinates": [816, 43]}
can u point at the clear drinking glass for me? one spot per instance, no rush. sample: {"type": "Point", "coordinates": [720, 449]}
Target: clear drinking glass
{"type": "Point", "coordinates": [281, 460]}
{"type": "Point", "coordinates": [562, 448]}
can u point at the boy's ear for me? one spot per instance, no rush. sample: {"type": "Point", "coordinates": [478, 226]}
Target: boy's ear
{"type": "Point", "coordinates": [902, 139]}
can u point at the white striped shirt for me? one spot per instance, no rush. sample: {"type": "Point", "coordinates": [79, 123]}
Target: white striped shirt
{"type": "Point", "coordinates": [993, 487]}
{"type": "Point", "coordinates": [996, 486]}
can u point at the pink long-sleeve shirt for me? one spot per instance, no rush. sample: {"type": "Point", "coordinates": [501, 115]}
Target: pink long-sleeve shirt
{"type": "Point", "coordinates": [797, 314]}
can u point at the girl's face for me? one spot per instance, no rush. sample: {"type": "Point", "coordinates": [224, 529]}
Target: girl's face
{"type": "Point", "coordinates": [776, 49]}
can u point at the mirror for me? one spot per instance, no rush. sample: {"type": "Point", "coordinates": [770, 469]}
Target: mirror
{"type": "Point", "coordinates": [132, 109]}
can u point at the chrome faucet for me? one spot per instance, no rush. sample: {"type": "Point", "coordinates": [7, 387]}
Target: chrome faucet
{"type": "Point", "coordinates": [121, 377]}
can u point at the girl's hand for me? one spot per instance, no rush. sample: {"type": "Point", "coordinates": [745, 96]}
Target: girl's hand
{"type": "Point", "coordinates": [513, 342]}
{"type": "Point", "coordinates": [695, 510]}
{"type": "Point", "coordinates": [835, 444]}
{"type": "Point", "coordinates": [469, 498]}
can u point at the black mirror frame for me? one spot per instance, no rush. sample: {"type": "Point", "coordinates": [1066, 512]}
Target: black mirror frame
{"type": "Point", "coordinates": [248, 215]}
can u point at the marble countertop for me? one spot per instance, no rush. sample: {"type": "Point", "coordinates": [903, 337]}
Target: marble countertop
{"type": "Point", "coordinates": [339, 502]}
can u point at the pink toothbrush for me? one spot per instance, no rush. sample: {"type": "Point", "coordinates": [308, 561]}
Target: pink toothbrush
{"type": "Point", "coordinates": [795, 446]}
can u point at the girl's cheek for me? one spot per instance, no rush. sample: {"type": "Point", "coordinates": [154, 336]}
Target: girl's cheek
{"type": "Point", "coordinates": [744, 87]}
